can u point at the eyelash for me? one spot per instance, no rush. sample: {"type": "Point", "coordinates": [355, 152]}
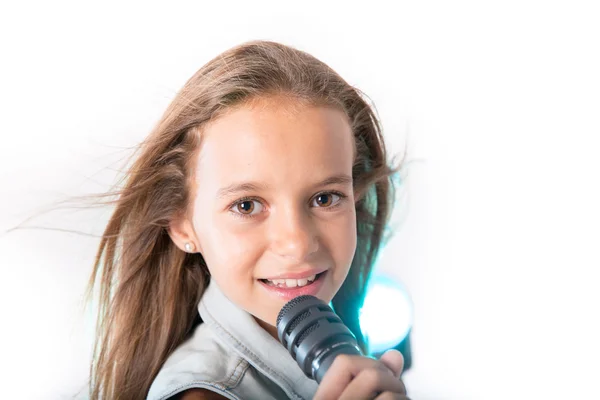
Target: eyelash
{"type": "Point", "coordinates": [250, 216]}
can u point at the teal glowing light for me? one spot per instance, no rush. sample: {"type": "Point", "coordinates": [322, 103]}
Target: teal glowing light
{"type": "Point", "coordinates": [386, 316]}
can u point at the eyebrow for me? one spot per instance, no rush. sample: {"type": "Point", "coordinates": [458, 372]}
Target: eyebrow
{"type": "Point", "coordinates": [255, 186]}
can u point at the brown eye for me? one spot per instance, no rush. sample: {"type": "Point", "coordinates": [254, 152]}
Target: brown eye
{"type": "Point", "coordinates": [326, 199]}
{"type": "Point", "coordinates": [246, 207]}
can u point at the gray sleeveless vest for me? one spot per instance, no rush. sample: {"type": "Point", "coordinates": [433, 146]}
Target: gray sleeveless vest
{"type": "Point", "coordinates": [232, 355]}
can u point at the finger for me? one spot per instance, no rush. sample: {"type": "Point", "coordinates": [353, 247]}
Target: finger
{"type": "Point", "coordinates": [391, 396]}
{"type": "Point", "coordinates": [394, 360]}
{"type": "Point", "coordinates": [342, 371]}
{"type": "Point", "coordinates": [371, 382]}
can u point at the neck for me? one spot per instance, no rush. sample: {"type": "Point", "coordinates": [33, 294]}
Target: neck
{"type": "Point", "coordinates": [271, 330]}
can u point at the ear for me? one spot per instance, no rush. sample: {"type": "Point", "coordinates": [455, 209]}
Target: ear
{"type": "Point", "coordinates": [181, 231]}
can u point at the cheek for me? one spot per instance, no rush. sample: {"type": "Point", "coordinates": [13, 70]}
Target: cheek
{"type": "Point", "coordinates": [341, 240]}
{"type": "Point", "coordinates": [226, 248]}
{"type": "Point", "coordinates": [350, 228]}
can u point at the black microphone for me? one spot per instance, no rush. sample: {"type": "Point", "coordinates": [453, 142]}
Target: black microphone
{"type": "Point", "coordinates": [314, 335]}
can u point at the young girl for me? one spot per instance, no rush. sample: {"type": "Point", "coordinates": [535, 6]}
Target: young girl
{"type": "Point", "coordinates": [266, 173]}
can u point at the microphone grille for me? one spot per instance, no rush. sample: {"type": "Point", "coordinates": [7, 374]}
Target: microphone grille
{"type": "Point", "coordinates": [291, 304]}
{"type": "Point", "coordinates": [304, 334]}
{"type": "Point", "coordinates": [296, 321]}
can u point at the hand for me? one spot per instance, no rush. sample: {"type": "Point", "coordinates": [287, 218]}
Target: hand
{"type": "Point", "coordinates": [358, 377]}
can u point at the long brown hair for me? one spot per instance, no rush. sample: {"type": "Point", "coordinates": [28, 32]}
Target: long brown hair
{"type": "Point", "coordinates": [148, 288]}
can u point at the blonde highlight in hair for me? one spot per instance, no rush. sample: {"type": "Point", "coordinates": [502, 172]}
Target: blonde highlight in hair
{"type": "Point", "coordinates": [148, 288]}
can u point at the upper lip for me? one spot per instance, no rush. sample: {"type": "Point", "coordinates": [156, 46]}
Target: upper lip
{"type": "Point", "coordinates": [297, 274]}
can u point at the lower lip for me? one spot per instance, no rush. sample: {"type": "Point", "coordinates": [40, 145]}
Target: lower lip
{"type": "Point", "coordinates": [290, 293]}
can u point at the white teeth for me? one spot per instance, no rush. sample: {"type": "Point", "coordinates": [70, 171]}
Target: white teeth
{"type": "Point", "coordinates": [302, 282]}
{"type": "Point", "coordinates": [292, 282]}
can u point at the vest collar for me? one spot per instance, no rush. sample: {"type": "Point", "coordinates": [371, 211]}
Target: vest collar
{"type": "Point", "coordinates": [240, 330]}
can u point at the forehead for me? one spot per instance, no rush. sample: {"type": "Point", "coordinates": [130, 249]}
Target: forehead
{"type": "Point", "coordinates": [276, 140]}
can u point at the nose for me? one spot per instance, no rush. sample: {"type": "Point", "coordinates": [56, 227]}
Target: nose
{"type": "Point", "coordinates": [293, 235]}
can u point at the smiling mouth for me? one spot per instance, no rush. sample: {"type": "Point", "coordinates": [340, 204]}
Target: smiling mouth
{"type": "Point", "coordinates": [292, 283]}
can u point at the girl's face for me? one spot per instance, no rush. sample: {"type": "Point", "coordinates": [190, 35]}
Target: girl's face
{"type": "Point", "coordinates": [274, 199]}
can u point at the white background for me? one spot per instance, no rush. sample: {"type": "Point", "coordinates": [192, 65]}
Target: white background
{"type": "Point", "coordinates": [498, 103]}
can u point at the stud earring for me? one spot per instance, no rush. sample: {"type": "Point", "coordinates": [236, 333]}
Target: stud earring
{"type": "Point", "coordinates": [188, 247]}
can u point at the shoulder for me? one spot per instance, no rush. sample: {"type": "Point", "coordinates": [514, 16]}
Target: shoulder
{"type": "Point", "coordinates": [198, 394]}
{"type": "Point", "coordinates": [202, 361]}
